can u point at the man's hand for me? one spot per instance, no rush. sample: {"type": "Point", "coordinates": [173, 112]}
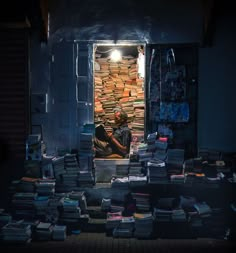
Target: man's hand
{"type": "Point", "coordinates": [122, 148]}
{"type": "Point", "coordinates": [109, 134]}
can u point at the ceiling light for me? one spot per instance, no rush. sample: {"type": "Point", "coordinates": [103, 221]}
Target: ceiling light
{"type": "Point", "coordinates": [115, 55]}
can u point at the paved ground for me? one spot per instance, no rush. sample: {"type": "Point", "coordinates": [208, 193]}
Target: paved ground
{"type": "Point", "coordinates": [100, 243]}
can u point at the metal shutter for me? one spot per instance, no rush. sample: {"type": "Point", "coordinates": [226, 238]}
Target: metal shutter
{"type": "Point", "coordinates": [14, 92]}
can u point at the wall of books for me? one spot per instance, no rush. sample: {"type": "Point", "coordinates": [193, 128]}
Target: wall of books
{"type": "Point", "coordinates": [119, 85]}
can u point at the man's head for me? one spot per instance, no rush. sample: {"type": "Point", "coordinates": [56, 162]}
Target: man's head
{"type": "Point", "coordinates": [120, 117]}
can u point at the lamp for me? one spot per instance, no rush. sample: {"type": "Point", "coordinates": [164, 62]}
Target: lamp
{"type": "Point", "coordinates": [115, 55]}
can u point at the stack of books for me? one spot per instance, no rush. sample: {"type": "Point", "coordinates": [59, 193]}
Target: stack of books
{"type": "Point", "coordinates": [44, 231]}
{"type": "Point", "coordinates": [59, 232]}
{"type": "Point", "coordinates": [143, 225]}
{"type": "Point", "coordinates": [16, 232]}
{"type": "Point", "coordinates": [117, 85]}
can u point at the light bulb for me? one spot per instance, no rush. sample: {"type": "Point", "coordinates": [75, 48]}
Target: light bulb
{"type": "Point", "coordinates": [115, 55]}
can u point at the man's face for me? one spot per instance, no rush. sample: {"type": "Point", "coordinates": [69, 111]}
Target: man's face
{"type": "Point", "coordinates": [118, 118]}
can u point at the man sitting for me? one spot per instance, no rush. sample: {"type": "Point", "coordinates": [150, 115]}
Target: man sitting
{"type": "Point", "coordinates": [116, 143]}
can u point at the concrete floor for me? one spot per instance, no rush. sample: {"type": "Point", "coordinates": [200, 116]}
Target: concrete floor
{"type": "Point", "coordinates": [100, 242]}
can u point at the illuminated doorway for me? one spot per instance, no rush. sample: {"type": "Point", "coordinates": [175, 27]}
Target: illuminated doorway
{"type": "Point", "coordinates": [119, 84]}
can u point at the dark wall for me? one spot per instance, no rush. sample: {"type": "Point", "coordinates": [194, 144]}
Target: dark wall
{"type": "Point", "coordinates": [217, 89]}
{"type": "Point", "coordinates": [166, 21]}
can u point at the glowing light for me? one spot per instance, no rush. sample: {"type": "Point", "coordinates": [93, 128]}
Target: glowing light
{"type": "Point", "coordinates": [115, 55]}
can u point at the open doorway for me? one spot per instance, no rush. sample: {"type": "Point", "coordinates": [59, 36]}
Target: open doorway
{"type": "Point", "coordinates": [119, 87]}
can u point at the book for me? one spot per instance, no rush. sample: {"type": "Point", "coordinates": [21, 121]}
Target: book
{"type": "Point", "coordinates": [101, 133]}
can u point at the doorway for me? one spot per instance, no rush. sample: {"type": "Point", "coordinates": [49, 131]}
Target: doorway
{"type": "Point", "coordinates": [119, 84]}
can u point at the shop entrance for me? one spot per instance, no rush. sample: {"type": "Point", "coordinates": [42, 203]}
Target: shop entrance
{"type": "Point", "coordinates": [119, 85]}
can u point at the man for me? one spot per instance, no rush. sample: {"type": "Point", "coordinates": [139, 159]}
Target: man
{"type": "Point", "coordinates": [117, 142]}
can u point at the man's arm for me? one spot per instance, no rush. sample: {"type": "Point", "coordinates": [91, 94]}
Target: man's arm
{"type": "Point", "coordinates": [123, 149]}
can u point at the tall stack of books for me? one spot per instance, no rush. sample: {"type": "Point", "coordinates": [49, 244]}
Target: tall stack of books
{"type": "Point", "coordinates": [86, 153]}
{"type": "Point", "coordinates": [175, 160]}
{"type": "Point", "coordinates": [58, 167]}
{"type": "Point", "coordinates": [117, 85]}
{"type": "Point", "coordinates": [70, 178]}
{"type": "Point", "coordinates": [161, 145]}
{"type": "Point", "coordinates": [86, 143]}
